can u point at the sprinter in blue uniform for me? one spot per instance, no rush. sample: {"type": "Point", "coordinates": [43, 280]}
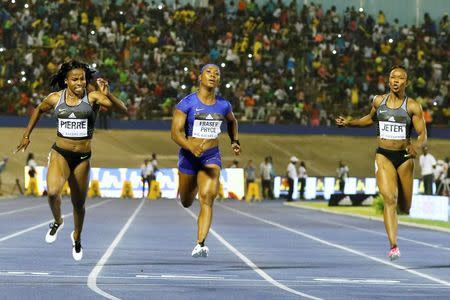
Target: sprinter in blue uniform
{"type": "Point", "coordinates": [75, 109]}
{"type": "Point", "coordinates": [395, 115]}
{"type": "Point", "coordinates": [195, 128]}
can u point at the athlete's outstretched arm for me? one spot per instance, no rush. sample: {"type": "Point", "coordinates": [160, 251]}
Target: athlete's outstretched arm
{"type": "Point", "coordinates": [365, 121]}
{"type": "Point", "coordinates": [419, 126]}
{"type": "Point", "coordinates": [46, 105]}
{"type": "Point", "coordinates": [233, 133]}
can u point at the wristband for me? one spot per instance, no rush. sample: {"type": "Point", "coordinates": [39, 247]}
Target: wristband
{"type": "Point", "coordinates": [235, 142]}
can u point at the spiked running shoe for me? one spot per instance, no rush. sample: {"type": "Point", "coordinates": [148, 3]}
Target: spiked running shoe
{"type": "Point", "coordinates": [77, 250]}
{"type": "Point", "coordinates": [200, 251]}
{"type": "Point", "coordinates": [52, 233]}
{"type": "Point", "coordinates": [394, 253]}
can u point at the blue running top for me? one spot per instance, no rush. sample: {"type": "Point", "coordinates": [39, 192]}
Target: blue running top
{"type": "Point", "coordinates": [203, 121]}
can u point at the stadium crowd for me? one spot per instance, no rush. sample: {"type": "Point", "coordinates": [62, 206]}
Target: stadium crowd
{"type": "Point", "coordinates": [281, 63]}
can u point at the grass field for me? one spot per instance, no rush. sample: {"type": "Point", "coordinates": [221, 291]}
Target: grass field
{"type": "Point", "coordinates": [128, 148]}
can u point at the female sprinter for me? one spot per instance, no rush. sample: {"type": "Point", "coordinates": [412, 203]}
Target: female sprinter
{"type": "Point", "coordinates": [395, 115]}
{"type": "Point", "coordinates": [195, 128]}
{"type": "Point", "coordinates": [76, 110]}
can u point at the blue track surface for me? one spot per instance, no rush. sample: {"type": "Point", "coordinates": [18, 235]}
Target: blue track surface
{"type": "Point", "coordinates": [140, 249]}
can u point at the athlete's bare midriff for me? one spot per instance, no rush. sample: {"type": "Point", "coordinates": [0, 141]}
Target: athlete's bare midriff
{"type": "Point", "coordinates": [393, 144]}
{"type": "Point", "coordinates": [207, 143]}
{"type": "Point", "coordinates": [81, 146]}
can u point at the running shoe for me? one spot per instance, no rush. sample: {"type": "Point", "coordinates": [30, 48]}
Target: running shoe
{"type": "Point", "coordinates": [394, 253]}
{"type": "Point", "coordinates": [77, 250]}
{"type": "Point", "coordinates": [52, 233]}
{"type": "Point", "coordinates": [200, 251]}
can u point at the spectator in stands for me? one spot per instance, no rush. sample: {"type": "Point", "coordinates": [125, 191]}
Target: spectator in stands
{"type": "Point", "coordinates": [175, 32]}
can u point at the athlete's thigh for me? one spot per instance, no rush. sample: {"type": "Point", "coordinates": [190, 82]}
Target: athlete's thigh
{"type": "Point", "coordinates": [79, 180]}
{"type": "Point", "coordinates": [406, 176]}
{"type": "Point", "coordinates": [208, 182]}
{"type": "Point", "coordinates": [386, 175]}
{"type": "Point", "coordinates": [187, 186]}
{"type": "Point", "coordinates": [57, 174]}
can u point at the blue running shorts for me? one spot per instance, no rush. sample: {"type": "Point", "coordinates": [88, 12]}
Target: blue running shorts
{"type": "Point", "coordinates": [189, 164]}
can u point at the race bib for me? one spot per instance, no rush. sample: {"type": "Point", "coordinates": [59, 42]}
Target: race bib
{"type": "Point", "coordinates": [73, 127]}
{"type": "Point", "coordinates": [392, 130]}
{"type": "Point", "coordinates": [206, 129]}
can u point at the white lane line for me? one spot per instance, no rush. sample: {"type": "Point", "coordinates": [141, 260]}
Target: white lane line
{"type": "Point", "coordinates": [379, 219]}
{"type": "Point", "coordinates": [352, 280]}
{"type": "Point", "coordinates": [21, 209]}
{"type": "Point", "coordinates": [45, 223]}
{"type": "Point", "coordinates": [192, 277]}
{"type": "Point", "coordinates": [92, 278]}
{"type": "Point", "coordinates": [253, 266]}
{"type": "Point", "coordinates": [423, 275]}
{"type": "Point", "coordinates": [27, 273]}
{"type": "Point", "coordinates": [378, 233]}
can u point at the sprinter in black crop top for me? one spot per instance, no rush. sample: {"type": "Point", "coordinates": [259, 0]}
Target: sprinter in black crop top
{"type": "Point", "coordinates": [75, 108]}
{"type": "Point", "coordinates": [395, 114]}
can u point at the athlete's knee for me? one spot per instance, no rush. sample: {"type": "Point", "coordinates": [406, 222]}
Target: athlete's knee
{"type": "Point", "coordinates": [390, 200]}
{"type": "Point", "coordinates": [78, 206]}
{"type": "Point", "coordinates": [187, 198]}
{"type": "Point", "coordinates": [186, 201]}
{"type": "Point", "coordinates": [208, 195]}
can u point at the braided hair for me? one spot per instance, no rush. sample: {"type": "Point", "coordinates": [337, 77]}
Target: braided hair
{"type": "Point", "coordinates": [59, 78]}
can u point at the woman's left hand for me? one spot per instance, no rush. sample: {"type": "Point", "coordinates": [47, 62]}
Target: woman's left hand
{"type": "Point", "coordinates": [23, 145]}
{"type": "Point", "coordinates": [236, 148]}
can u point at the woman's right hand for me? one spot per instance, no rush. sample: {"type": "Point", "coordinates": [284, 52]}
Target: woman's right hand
{"type": "Point", "coordinates": [23, 144]}
{"type": "Point", "coordinates": [197, 148]}
{"type": "Point", "coordinates": [341, 121]}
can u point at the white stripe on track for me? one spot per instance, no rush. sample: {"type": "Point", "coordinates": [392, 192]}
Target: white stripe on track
{"type": "Point", "coordinates": [378, 233]}
{"type": "Point", "coordinates": [92, 278]}
{"type": "Point", "coordinates": [21, 209]}
{"type": "Point", "coordinates": [45, 223]}
{"type": "Point", "coordinates": [253, 266]}
{"type": "Point", "coordinates": [431, 278]}
{"type": "Point", "coordinates": [372, 218]}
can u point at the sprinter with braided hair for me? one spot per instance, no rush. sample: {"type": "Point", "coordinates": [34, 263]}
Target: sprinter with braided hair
{"type": "Point", "coordinates": [75, 107]}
